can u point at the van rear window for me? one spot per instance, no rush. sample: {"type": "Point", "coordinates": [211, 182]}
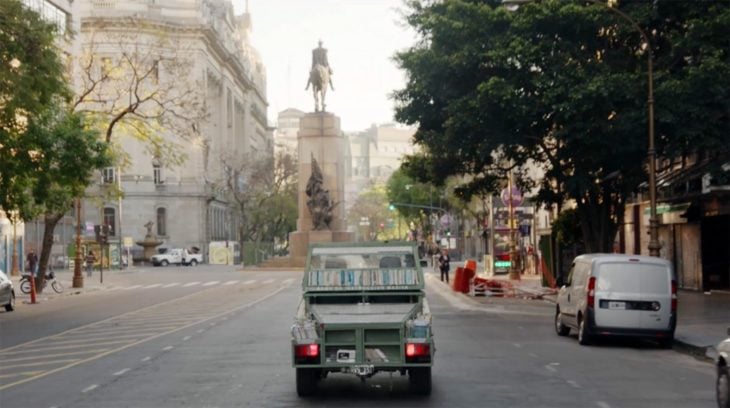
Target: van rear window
{"type": "Point", "coordinates": [633, 278]}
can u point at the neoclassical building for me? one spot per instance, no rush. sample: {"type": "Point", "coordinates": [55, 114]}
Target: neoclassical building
{"type": "Point", "coordinates": [201, 56]}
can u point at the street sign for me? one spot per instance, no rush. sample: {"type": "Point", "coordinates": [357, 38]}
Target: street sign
{"type": "Point", "coordinates": [517, 197]}
{"type": "Point", "coordinates": [128, 242]}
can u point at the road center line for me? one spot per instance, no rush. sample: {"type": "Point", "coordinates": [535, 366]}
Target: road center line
{"type": "Point", "coordinates": [267, 281]}
{"type": "Point", "coordinates": [122, 372]}
{"type": "Point", "coordinates": [168, 348]}
{"type": "Point", "coordinates": [603, 404]}
{"type": "Point", "coordinates": [169, 285]}
{"type": "Point", "coordinates": [231, 282]}
{"type": "Point", "coordinates": [187, 285]}
{"type": "Point", "coordinates": [250, 281]}
{"type": "Point", "coordinates": [573, 384]}
{"type": "Point", "coordinates": [92, 387]}
{"type": "Point", "coordinates": [146, 359]}
{"type": "Point", "coordinates": [551, 368]}
{"type": "Point", "coordinates": [211, 283]}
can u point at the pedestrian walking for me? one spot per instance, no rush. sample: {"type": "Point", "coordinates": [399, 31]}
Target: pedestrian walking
{"type": "Point", "coordinates": [90, 260]}
{"type": "Point", "coordinates": [444, 260]}
{"type": "Point", "coordinates": [32, 260]}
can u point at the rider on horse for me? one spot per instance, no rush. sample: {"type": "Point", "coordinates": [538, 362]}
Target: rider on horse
{"type": "Point", "coordinates": [319, 57]}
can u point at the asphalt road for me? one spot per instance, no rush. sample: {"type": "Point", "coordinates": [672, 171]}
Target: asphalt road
{"type": "Point", "coordinates": [170, 343]}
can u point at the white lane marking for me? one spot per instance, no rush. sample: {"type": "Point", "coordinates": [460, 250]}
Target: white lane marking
{"type": "Point", "coordinates": [288, 281]}
{"type": "Point", "coordinates": [224, 318]}
{"type": "Point", "coordinates": [231, 282]}
{"type": "Point", "coordinates": [122, 372]}
{"type": "Point", "coordinates": [518, 345]}
{"type": "Point", "coordinates": [552, 367]}
{"type": "Point", "coordinates": [148, 358]}
{"type": "Point", "coordinates": [532, 355]}
{"type": "Point", "coordinates": [186, 338]}
{"type": "Point", "coordinates": [212, 323]}
{"type": "Point", "coordinates": [132, 287]}
{"type": "Point", "coordinates": [152, 286]}
{"type": "Point", "coordinates": [190, 284]}
{"type": "Point", "coordinates": [573, 384]}
{"type": "Point", "coordinates": [211, 283]}
{"type": "Point", "coordinates": [169, 285]}
{"type": "Point", "coordinates": [250, 281]}
{"type": "Point", "coordinates": [267, 281]}
{"type": "Point", "coordinates": [201, 330]}
{"type": "Point", "coordinates": [603, 404]}
{"type": "Point", "coordinates": [90, 388]}
{"type": "Point", "coordinates": [168, 348]}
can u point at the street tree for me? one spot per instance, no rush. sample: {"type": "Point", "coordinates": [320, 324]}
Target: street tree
{"type": "Point", "coordinates": [262, 191]}
{"type": "Point", "coordinates": [69, 152]}
{"type": "Point", "coordinates": [371, 208]}
{"type": "Point", "coordinates": [561, 86]}
{"type": "Point", "coordinates": [140, 82]}
{"type": "Point", "coordinates": [413, 200]}
{"type": "Point", "coordinates": [31, 82]}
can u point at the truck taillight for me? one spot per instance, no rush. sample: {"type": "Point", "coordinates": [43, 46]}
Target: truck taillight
{"type": "Point", "coordinates": [306, 353]}
{"type": "Point", "coordinates": [591, 292]}
{"type": "Point", "coordinates": [418, 352]}
{"type": "Point", "coordinates": [674, 296]}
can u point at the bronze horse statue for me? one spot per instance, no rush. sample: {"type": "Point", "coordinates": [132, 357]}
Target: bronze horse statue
{"type": "Point", "coordinates": [319, 77]}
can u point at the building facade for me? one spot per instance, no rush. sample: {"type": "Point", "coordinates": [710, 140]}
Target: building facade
{"type": "Point", "coordinates": [176, 177]}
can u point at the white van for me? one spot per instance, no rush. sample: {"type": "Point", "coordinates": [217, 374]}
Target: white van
{"type": "Point", "coordinates": [618, 295]}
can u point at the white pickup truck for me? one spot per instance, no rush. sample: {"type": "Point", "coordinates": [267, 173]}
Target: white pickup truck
{"type": "Point", "coordinates": [177, 256]}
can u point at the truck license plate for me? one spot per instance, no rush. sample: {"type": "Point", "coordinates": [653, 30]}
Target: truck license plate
{"type": "Point", "coordinates": [617, 305]}
{"type": "Point", "coordinates": [363, 370]}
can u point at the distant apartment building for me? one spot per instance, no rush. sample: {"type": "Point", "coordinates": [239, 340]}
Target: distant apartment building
{"type": "Point", "coordinates": [287, 128]}
{"type": "Point", "coordinates": [182, 199]}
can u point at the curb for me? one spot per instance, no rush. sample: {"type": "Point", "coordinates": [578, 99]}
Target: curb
{"type": "Point", "coordinates": [703, 353]}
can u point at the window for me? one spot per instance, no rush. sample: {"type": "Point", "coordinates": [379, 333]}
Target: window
{"type": "Point", "coordinates": [156, 71]}
{"type": "Point", "coordinates": [161, 221]}
{"type": "Point", "coordinates": [157, 173]}
{"type": "Point", "coordinates": [50, 12]}
{"type": "Point", "coordinates": [107, 175]}
{"type": "Point", "coordinates": [110, 220]}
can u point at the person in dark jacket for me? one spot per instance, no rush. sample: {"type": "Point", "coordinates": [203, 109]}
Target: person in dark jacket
{"type": "Point", "coordinates": [444, 260]}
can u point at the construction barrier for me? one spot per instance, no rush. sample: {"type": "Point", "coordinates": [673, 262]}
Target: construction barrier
{"type": "Point", "coordinates": [462, 280]}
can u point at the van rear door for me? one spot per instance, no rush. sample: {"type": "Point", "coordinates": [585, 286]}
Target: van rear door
{"type": "Point", "coordinates": [633, 294]}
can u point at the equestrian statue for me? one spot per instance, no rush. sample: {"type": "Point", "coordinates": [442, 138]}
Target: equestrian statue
{"type": "Point", "coordinates": [319, 76]}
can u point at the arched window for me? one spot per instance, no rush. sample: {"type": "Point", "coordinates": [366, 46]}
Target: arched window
{"type": "Point", "coordinates": [110, 220]}
{"type": "Point", "coordinates": [161, 222]}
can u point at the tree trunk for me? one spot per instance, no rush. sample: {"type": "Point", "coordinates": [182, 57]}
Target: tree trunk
{"type": "Point", "coordinates": [51, 220]}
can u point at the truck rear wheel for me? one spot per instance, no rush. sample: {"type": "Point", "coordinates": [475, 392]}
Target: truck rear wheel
{"type": "Point", "coordinates": [420, 379]}
{"type": "Point", "coordinates": [307, 381]}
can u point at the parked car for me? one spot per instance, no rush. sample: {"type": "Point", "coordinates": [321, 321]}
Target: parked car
{"type": "Point", "coordinates": [7, 292]}
{"type": "Point", "coordinates": [177, 256]}
{"type": "Point", "coordinates": [618, 295]}
{"type": "Point", "coordinates": [723, 377]}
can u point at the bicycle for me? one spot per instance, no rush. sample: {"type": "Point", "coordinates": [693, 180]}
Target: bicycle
{"type": "Point", "coordinates": [50, 277]}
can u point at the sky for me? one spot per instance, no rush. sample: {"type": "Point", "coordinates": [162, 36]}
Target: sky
{"type": "Point", "coordinates": [361, 36]}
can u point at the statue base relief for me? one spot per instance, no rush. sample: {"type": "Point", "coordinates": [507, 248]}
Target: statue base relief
{"type": "Point", "coordinates": [321, 139]}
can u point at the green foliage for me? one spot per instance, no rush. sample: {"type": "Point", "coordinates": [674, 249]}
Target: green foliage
{"type": "Point", "coordinates": [31, 83]}
{"type": "Point", "coordinates": [567, 228]}
{"type": "Point", "coordinates": [562, 86]}
{"type": "Point", "coordinates": [372, 204]}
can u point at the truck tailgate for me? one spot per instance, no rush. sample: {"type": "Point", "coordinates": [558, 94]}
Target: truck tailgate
{"type": "Point", "coordinates": [385, 313]}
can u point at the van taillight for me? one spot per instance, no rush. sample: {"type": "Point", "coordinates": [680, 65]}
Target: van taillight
{"type": "Point", "coordinates": [591, 291]}
{"type": "Point", "coordinates": [306, 353]}
{"type": "Point", "coordinates": [674, 296]}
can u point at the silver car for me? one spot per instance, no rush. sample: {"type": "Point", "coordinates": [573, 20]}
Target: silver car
{"type": "Point", "coordinates": [7, 293]}
{"type": "Point", "coordinates": [723, 378]}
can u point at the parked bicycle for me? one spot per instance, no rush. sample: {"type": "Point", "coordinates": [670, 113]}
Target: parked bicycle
{"type": "Point", "coordinates": [50, 277]}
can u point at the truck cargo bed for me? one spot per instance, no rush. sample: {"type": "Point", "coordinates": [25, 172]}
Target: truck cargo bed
{"type": "Point", "coordinates": [382, 313]}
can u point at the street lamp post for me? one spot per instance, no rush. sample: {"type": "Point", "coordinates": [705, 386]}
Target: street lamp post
{"type": "Point", "coordinates": [654, 245]}
{"type": "Point", "coordinates": [78, 279]}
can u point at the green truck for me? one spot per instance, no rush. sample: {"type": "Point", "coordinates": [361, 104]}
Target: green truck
{"type": "Point", "coordinates": [363, 311]}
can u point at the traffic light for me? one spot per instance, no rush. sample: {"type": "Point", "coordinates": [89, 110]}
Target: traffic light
{"type": "Point", "coordinates": [448, 232]}
{"type": "Point", "coordinates": [391, 207]}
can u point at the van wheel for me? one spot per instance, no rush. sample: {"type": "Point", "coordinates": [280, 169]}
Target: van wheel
{"type": "Point", "coordinates": [420, 378]}
{"type": "Point", "coordinates": [560, 328]}
{"type": "Point", "coordinates": [193, 262]}
{"type": "Point", "coordinates": [584, 338]}
{"type": "Point", "coordinates": [164, 262]}
{"type": "Point", "coordinates": [307, 381]}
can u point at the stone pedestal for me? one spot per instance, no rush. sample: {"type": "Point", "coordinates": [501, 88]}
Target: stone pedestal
{"type": "Point", "coordinates": [320, 137]}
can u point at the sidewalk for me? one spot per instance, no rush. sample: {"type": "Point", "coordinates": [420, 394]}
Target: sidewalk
{"type": "Point", "coordinates": [114, 277]}
{"type": "Point", "coordinates": [702, 322]}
